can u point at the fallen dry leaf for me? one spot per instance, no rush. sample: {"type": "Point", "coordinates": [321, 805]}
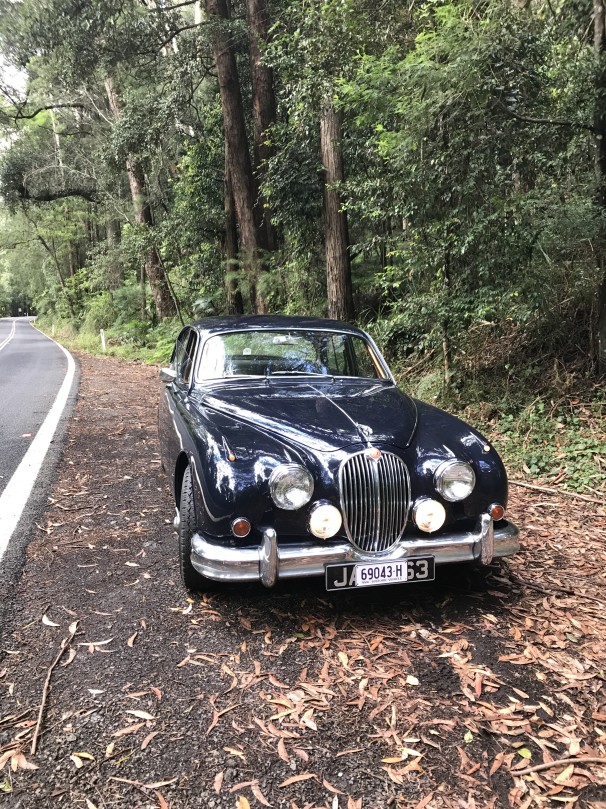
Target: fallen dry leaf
{"type": "Point", "coordinates": [161, 801]}
{"type": "Point", "coordinates": [77, 761]}
{"type": "Point", "coordinates": [141, 714]}
{"type": "Point", "coordinates": [294, 779]}
{"type": "Point", "coordinates": [128, 729]}
{"type": "Point", "coordinates": [19, 762]}
{"type": "Point", "coordinates": [256, 791]}
{"type": "Point", "coordinates": [146, 741]}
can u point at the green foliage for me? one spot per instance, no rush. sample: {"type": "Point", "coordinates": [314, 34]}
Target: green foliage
{"type": "Point", "coordinates": [561, 444]}
{"type": "Point", "coordinates": [470, 185]}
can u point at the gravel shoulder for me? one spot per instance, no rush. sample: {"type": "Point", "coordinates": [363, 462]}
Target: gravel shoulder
{"type": "Point", "coordinates": [464, 692]}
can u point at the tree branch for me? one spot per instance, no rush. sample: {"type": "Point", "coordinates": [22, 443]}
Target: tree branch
{"type": "Point", "coordinates": [50, 196]}
{"type": "Point", "coordinates": [176, 33]}
{"type": "Point", "coordinates": [72, 105]}
{"type": "Point", "coordinates": [14, 245]}
{"type": "Point", "coordinates": [160, 9]}
{"type": "Point", "coordinates": [528, 119]}
{"type": "Point", "coordinates": [64, 644]}
{"type": "Point", "coordinates": [559, 763]}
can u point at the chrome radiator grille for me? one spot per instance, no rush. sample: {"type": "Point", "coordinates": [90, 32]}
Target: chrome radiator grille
{"type": "Point", "coordinates": [374, 500]}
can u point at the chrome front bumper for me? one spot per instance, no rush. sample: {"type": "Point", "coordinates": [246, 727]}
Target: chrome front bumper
{"type": "Point", "coordinates": [270, 562]}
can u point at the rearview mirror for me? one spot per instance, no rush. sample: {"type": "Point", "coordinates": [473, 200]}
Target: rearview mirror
{"type": "Point", "coordinates": [168, 375]}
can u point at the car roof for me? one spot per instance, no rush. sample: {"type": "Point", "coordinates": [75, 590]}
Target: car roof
{"type": "Point", "coordinates": [212, 325]}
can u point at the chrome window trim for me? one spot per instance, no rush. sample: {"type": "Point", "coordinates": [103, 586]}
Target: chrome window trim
{"type": "Point", "coordinates": [362, 336]}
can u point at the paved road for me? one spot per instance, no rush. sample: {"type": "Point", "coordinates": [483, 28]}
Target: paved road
{"type": "Point", "coordinates": [32, 369]}
{"type": "Point", "coordinates": [33, 372]}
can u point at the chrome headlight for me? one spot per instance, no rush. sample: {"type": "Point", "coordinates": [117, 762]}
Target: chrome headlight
{"type": "Point", "coordinates": [291, 486]}
{"type": "Point", "coordinates": [454, 480]}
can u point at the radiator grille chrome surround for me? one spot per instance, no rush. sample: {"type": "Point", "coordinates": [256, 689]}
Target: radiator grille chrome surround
{"type": "Point", "coordinates": [375, 498]}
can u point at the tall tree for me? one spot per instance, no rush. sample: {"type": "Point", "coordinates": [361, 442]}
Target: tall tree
{"type": "Point", "coordinates": [336, 233]}
{"type": "Point", "coordinates": [599, 125]}
{"type": "Point", "coordinates": [152, 268]}
{"type": "Point", "coordinates": [252, 238]}
{"type": "Point", "coordinates": [263, 103]}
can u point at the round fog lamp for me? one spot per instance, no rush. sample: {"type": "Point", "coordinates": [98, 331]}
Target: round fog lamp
{"type": "Point", "coordinates": [291, 486]}
{"type": "Point", "coordinates": [429, 515]}
{"type": "Point", "coordinates": [454, 480]}
{"type": "Point", "coordinates": [324, 521]}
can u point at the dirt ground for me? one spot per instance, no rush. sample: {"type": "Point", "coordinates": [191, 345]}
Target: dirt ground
{"type": "Point", "coordinates": [473, 691]}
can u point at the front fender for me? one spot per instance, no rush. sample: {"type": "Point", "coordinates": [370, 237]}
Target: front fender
{"type": "Point", "coordinates": [441, 436]}
{"type": "Point", "coordinates": [232, 463]}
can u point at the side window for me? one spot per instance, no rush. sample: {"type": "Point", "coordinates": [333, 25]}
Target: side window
{"type": "Point", "coordinates": [183, 355]}
{"type": "Point", "coordinates": [179, 351]}
{"type": "Point", "coordinates": [336, 355]}
{"type": "Point", "coordinates": [188, 359]}
{"type": "Point", "coordinates": [351, 356]}
{"type": "Point", "coordinates": [360, 357]}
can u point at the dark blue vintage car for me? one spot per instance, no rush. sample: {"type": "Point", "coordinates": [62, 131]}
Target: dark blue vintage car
{"type": "Point", "coordinates": [291, 452]}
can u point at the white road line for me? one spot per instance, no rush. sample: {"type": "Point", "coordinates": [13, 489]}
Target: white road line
{"type": "Point", "coordinates": [17, 492]}
{"type": "Point", "coordinates": [7, 340]}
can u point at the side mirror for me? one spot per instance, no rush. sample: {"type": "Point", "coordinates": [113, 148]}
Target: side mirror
{"type": "Point", "coordinates": [167, 375]}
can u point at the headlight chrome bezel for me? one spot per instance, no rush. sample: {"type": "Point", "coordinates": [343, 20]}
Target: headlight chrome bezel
{"type": "Point", "coordinates": [446, 475]}
{"type": "Point", "coordinates": [278, 480]}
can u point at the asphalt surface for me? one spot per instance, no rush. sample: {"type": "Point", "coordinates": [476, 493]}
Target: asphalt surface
{"type": "Point", "coordinates": [32, 369]}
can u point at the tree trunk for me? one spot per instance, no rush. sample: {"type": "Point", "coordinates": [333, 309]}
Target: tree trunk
{"type": "Point", "coordinates": [338, 268]}
{"type": "Point", "coordinates": [235, 304]}
{"type": "Point", "coordinates": [599, 122]}
{"type": "Point", "coordinates": [116, 273]}
{"type": "Point", "coordinates": [238, 155]}
{"type": "Point", "coordinates": [263, 104]}
{"type": "Point", "coordinates": [152, 265]}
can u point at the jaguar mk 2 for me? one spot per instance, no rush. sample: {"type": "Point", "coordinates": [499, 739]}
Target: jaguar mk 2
{"type": "Point", "coordinates": [292, 452]}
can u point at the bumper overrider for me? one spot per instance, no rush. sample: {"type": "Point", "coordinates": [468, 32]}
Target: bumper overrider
{"type": "Point", "coordinates": [270, 562]}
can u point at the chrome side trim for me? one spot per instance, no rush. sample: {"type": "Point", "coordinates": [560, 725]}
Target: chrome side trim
{"type": "Point", "coordinates": [269, 562]}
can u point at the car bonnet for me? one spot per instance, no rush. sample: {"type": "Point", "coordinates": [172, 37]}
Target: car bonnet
{"type": "Point", "coordinates": [323, 415]}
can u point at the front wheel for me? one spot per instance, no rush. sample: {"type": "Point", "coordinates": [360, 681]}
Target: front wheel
{"type": "Point", "coordinates": [187, 528]}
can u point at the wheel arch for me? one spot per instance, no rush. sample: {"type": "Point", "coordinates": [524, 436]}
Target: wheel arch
{"type": "Point", "coordinates": [180, 467]}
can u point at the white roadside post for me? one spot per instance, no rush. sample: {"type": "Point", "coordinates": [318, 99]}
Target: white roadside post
{"type": "Point", "coordinates": [102, 333]}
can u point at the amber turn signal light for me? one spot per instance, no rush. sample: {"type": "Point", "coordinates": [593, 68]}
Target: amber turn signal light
{"type": "Point", "coordinates": [497, 512]}
{"type": "Point", "coordinates": [240, 527]}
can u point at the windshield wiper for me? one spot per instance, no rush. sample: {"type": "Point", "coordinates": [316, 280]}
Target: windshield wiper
{"type": "Point", "coordinates": [299, 373]}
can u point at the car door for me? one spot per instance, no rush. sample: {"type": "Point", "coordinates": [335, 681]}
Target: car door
{"type": "Point", "coordinates": [174, 411]}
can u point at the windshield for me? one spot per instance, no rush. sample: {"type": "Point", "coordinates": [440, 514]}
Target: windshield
{"type": "Point", "coordinates": [293, 352]}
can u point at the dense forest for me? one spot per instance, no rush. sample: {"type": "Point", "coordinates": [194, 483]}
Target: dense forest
{"type": "Point", "coordinates": [435, 170]}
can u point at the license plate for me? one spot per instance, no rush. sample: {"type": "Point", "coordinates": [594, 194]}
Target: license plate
{"type": "Point", "coordinates": [364, 574]}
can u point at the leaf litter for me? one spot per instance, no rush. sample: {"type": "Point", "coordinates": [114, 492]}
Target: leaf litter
{"type": "Point", "coordinates": [474, 691]}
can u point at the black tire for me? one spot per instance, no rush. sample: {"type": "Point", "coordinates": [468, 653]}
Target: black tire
{"type": "Point", "coordinates": [187, 527]}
